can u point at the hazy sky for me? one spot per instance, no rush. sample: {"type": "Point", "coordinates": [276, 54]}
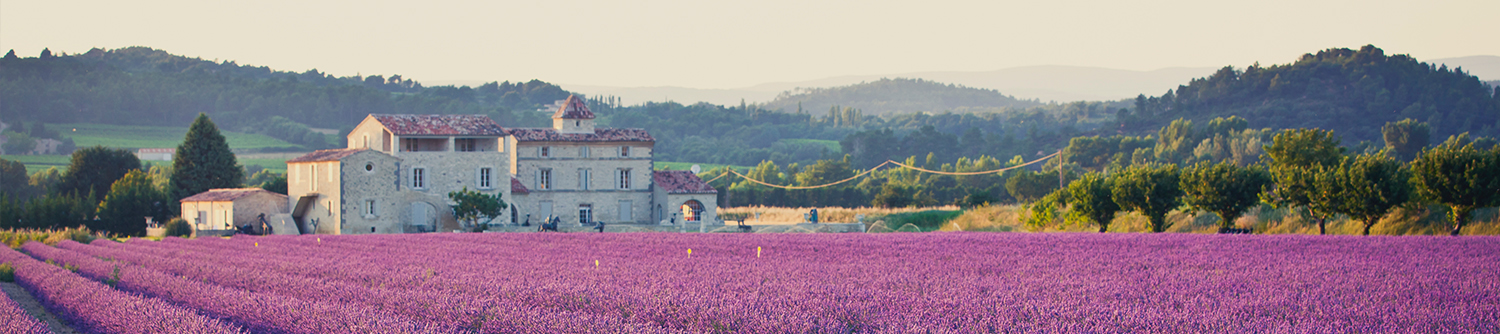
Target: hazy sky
{"type": "Point", "coordinates": [728, 44]}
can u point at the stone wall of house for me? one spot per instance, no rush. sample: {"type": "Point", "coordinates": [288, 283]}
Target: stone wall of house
{"type": "Point", "coordinates": [370, 134]}
{"type": "Point", "coordinates": [215, 215]}
{"type": "Point", "coordinates": [247, 210]}
{"type": "Point", "coordinates": [370, 182]}
{"type": "Point", "coordinates": [565, 204]}
{"type": "Point", "coordinates": [322, 179]}
{"type": "Point", "coordinates": [603, 164]}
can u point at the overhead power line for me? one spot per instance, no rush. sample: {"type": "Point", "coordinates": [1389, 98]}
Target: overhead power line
{"type": "Point", "coordinates": [868, 171]}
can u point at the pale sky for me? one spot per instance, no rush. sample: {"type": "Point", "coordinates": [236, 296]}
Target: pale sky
{"type": "Point", "coordinates": [730, 44]}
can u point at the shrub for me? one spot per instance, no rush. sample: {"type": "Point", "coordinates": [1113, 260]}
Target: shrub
{"type": "Point", "coordinates": [177, 227]}
{"type": "Point", "coordinates": [7, 273]}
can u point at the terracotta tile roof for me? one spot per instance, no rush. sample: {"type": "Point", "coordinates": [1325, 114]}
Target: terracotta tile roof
{"type": "Point", "coordinates": [681, 182]}
{"type": "Point", "coordinates": [600, 134]}
{"type": "Point", "coordinates": [327, 155]}
{"type": "Point", "coordinates": [517, 188]}
{"type": "Point", "coordinates": [440, 125]}
{"type": "Point", "coordinates": [226, 194]}
{"type": "Point", "coordinates": [573, 108]}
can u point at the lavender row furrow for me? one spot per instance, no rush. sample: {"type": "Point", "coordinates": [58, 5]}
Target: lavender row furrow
{"type": "Point", "coordinates": [259, 312]}
{"type": "Point", "coordinates": [92, 307]}
{"type": "Point", "coordinates": [943, 282]}
{"type": "Point", "coordinates": [452, 311]}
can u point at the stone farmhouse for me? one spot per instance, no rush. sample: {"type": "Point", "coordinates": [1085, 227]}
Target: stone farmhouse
{"type": "Point", "coordinates": [397, 171]}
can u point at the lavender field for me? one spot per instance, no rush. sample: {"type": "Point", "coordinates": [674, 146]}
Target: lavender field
{"type": "Point", "coordinates": [825, 283]}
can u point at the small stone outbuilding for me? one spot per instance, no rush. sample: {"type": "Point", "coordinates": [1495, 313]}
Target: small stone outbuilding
{"type": "Point", "coordinates": [223, 209]}
{"type": "Point", "coordinates": [682, 196]}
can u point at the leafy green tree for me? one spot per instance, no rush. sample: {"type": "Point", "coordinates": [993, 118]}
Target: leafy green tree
{"type": "Point", "coordinates": [18, 143]}
{"type": "Point", "coordinates": [1028, 186]}
{"type": "Point", "coordinates": [1044, 212]}
{"type": "Point", "coordinates": [92, 170]}
{"type": "Point", "coordinates": [14, 182]}
{"type": "Point", "coordinates": [1303, 164]}
{"type": "Point", "coordinates": [128, 202]}
{"type": "Point", "coordinates": [1091, 197]}
{"type": "Point", "coordinates": [1373, 184]}
{"type": "Point", "coordinates": [1304, 147]}
{"type": "Point", "coordinates": [1224, 189]}
{"type": "Point", "coordinates": [1407, 137]}
{"type": "Point", "coordinates": [1316, 188]}
{"type": "Point", "coordinates": [1175, 141]}
{"type": "Point", "coordinates": [1153, 190]}
{"type": "Point", "coordinates": [203, 161]}
{"type": "Point", "coordinates": [893, 195]}
{"type": "Point", "coordinates": [1458, 175]}
{"type": "Point", "coordinates": [268, 180]}
{"type": "Point", "coordinates": [825, 172]}
{"type": "Point", "coordinates": [473, 205]}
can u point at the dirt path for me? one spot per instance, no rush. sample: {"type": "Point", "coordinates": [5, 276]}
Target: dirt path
{"type": "Point", "coordinates": [34, 308]}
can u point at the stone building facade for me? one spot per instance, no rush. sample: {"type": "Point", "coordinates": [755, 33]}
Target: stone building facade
{"type": "Point", "coordinates": [583, 174]}
{"type": "Point", "coordinates": [397, 171]}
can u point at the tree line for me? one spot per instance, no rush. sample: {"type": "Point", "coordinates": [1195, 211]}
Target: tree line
{"type": "Point", "coordinates": [110, 191]}
{"type": "Point", "coordinates": [1230, 171]}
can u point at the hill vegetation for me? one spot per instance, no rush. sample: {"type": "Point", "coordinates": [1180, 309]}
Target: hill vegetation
{"type": "Point", "coordinates": [1352, 93]}
{"type": "Point", "coordinates": [144, 86]}
{"type": "Point", "coordinates": [897, 96]}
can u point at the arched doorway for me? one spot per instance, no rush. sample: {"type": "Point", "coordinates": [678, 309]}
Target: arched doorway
{"type": "Point", "coordinates": [423, 217]}
{"type": "Point", "coordinates": [692, 210]}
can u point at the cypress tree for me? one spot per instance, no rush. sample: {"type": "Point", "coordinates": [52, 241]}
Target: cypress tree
{"type": "Point", "coordinates": [203, 162]}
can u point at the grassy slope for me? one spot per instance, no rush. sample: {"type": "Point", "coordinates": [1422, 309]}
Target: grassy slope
{"type": "Point", "coordinates": [833, 145]}
{"type": "Point", "coordinates": [134, 136]}
{"type": "Point", "coordinates": [131, 137]}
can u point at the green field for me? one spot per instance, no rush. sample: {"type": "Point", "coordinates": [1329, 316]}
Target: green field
{"type": "Point", "coordinates": [833, 145]}
{"type": "Point", "coordinates": [138, 136]}
{"type": "Point", "coordinates": [37, 163]}
{"type": "Point", "coordinates": [667, 165]}
{"type": "Point", "coordinates": [278, 165]}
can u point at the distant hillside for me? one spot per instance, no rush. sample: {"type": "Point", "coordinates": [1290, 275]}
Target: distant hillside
{"type": "Point", "coordinates": [896, 96]}
{"type": "Point", "coordinates": [1044, 83]}
{"type": "Point", "coordinates": [1351, 92]}
{"type": "Point", "coordinates": [144, 86]}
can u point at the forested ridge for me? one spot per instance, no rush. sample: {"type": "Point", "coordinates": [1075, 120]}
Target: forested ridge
{"type": "Point", "coordinates": [1350, 92]}
{"type": "Point", "coordinates": [144, 86]}
{"type": "Point", "coordinates": [1353, 93]}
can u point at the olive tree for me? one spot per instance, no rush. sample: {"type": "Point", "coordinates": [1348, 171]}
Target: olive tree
{"type": "Point", "coordinates": [1090, 197]}
{"type": "Point", "coordinates": [1152, 189]}
{"type": "Point", "coordinates": [1224, 189]}
{"type": "Point", "coordinates": [1372, 184]}
{"type": "Point", "coordinates": [1302, 164]}
{"type": "Point", "coordinates": [1460, 176]}
{"type": "Point", "coordinates": [471, 206]}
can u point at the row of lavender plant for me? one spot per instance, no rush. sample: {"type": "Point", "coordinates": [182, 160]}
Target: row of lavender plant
{"type": "Point", "coordinates": [92, 307]}
{"type": "Point", "coordinates": [562, 298]}
{"type": "Point", "coordinates": [454, 311]}
{"type": "Point", "coordinates": [15, 320]}
{"type": "Point", "coordinates": [957, 283]}
{"type": "Point", "coordinates": [259, 312]}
